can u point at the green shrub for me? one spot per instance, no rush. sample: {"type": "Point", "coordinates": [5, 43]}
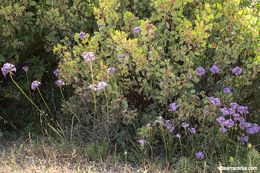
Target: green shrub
{"type": "Point", "coordinates": [127, 73]}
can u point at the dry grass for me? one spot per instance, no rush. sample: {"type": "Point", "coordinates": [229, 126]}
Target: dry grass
{"type": "Point", "coordinates": [45, 157]}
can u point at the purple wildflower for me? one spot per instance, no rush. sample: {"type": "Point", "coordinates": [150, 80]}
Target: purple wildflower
{"type": "Point", "coordinates": [82, 35]}
{"type": "Point", "coordinates": [178, 135]}
{"type": "Point", "coordinates": [244, 125]}
{"type": "Point", "coordinates": [242, 109]}
{"type": "Point", "coordinates": [200, 71]}
{"type": "Point", "coordinates": [237, 117]}
{"type": "Point", "coordinates": [142, 142]}
{"type": "Point", "coordinates": [234, 105]}
{"type": "Point", "coordinates": [121, 56]}
{"type": "Point", "coordinates": [25, 68]}
{"type": "Point", "coordinates": [111, 70]}
{"type": "Point", "coordinates": [215, 101]}
{"type": "Point", "coordinates": [173, 107]}
{"type": "Point", "coordinates": [88, 56]}
{"type": "Point", "coordinates": [8, 68]}
{"type": "Point", "coordinates": [56, 72]}
{"type": "Point", "coordinates": [237, 71]}
{"type": "Point", "coordinates": [244, 139]}
{"type": "Point", "coordinates": [223, 130]}
{"type": "Point", "coordinates": [185, 125]}
{"type": "Point", "coordinates": [60, 83]}
{"type": "Point", "coordinates": [200, 155]}
{"type": "Point", "coordinates": [101, 85]}
{"type": "Point", "coordinates": [228, 123]}
{"type": "Point", "coordinates": [226, 90]}
{"type": "Point", "coordinates": [35, 84]}
{"type": "Point", "coordinates": [254, 128]}
{"type": "Point", "coordinates": [214, 69]}
{"type": "Point", "coordinates": [224, 111]}
{"type": "Point", "coordinates": [192, 130]}
{"type": "Point", "coordinates": [220, 120]}
{"type": "Point", "coordinates": [137, 30]}
{"type": "Point", "coordinates": [169, 125]}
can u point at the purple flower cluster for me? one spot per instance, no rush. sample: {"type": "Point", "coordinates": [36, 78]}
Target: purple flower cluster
{"type": "Point", "coordinates": [121, 56]}
{"type": "Point", "coordinates": [8, 68]}
{"type": "Point", "coordinates": [237, 71]}
{"type": "Point", "coordinates": [100, 86]}
{"type": "Point", "coordinates": [25, 68]}
{"type": "Point", "coordinates": [35, 84]}
{"type": "Point", "coordinates": [137, 30]}
{"type": "Point", "coordinates": [234, 115]}
{"type": "Point", "coordinates": [88, 56]}
{"type": "Point", "coordinates": [200, 155]}
{"type": "Point", "coordinates": [173, 107]}
{"type": "Point", "coordinates": [215, 101]}
{"type": "Point", "coordinates": [167, 123]}
{"type": "Point", "coordinates": [142, 142]}
{"type": "Point", "coordinates": [82, 35]}
{"type": "Point", "coordinates": [200, 71]}
{"type": "Point", "coordinates": [227, 90]}
{"type": "Point", "coordinates": [111, 70]}
{"type": "Point", "coordinates": [60, 83]}
{"type": "Point", "coordinates": [56, 73]}
{"type": "Point", "coordinates": [214, 69]}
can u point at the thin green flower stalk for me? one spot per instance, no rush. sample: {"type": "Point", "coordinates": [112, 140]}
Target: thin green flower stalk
{"type": "Point", "coordinates": [44, 101]}
{"type": "Point", "coordinates": [24, 93]}
{"type": "Point", "coordinates": [93, 92]}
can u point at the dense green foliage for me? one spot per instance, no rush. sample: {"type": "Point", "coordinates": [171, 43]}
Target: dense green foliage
{"type": "Point", "coordinates": [138, 72]}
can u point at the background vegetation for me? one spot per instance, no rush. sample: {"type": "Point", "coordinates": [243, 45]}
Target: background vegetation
{"type": "Point", "coordinates": [176, 80]}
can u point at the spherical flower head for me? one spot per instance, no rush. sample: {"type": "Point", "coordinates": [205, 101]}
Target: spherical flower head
{"type": "Point", "coordinates": [101, 85]}
{"type": "Point", "coordinates": [185, 125]}
{"type": "Point", "coordinates": [244, 139]}
{"type": "Point", "coordinates": [60, 83]}
{"type": "Point", "coordinates": [237, 71]}
{"type": "Point", "coordinates": [214, 69]}
{"type": "Point", "coordinates": [200, 71]}
{"type": "Point", "coordinates": [8, 68]}
{"type": "Point", "coordinates": [178, 135]}
{"type": "Point", "coordinates": [253, 129]}
{"type": "Point", "coordinates": [25, 68]}
{"type": "Point", "coordinates": [224, 111]}
{"type": "Point", "coordinates": [173, 107]}
{"type": "Point", "coordinates": [223, 130]}
{"type": "Point", "coordinates": [121, 56]}
{"type": "Point", "coordinates": [35, 84]}
{"type": "Point", "coordinates": [228, 123]}
{"type": "Point", "coordinates": [215, 101]}
{"type": "Point", "coordinates": [56, 73]}
{"type": "Point", "coordinates": [242, 109]}
{"type": "Point", "coordinates": [237, 117]}
{"type": "Point", "coordinates": [169, 125]}
{"type": "Point", "coordinates": [227, 90]}
{"type": "Point", "coordinates": [220, 120]}
{"type": "Point", "coordinates": [88, 56]}
{"type": "Point", "coordinates": [137, 30]}
{"type": "Point", "coordinates": [200, 155]}
{"type": "Point", "coordinates": [142, 142]}
{"type": "Point", "coordinates": [111, 70]}
{"type": "Point", "coordinates": [192, 130]}
{"type": "Point", "coordinates": [82, 35]}
{"type": "Point", "coordinates": [234, 105]}
{"type": "Point", "coordinates": [244, 125]}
